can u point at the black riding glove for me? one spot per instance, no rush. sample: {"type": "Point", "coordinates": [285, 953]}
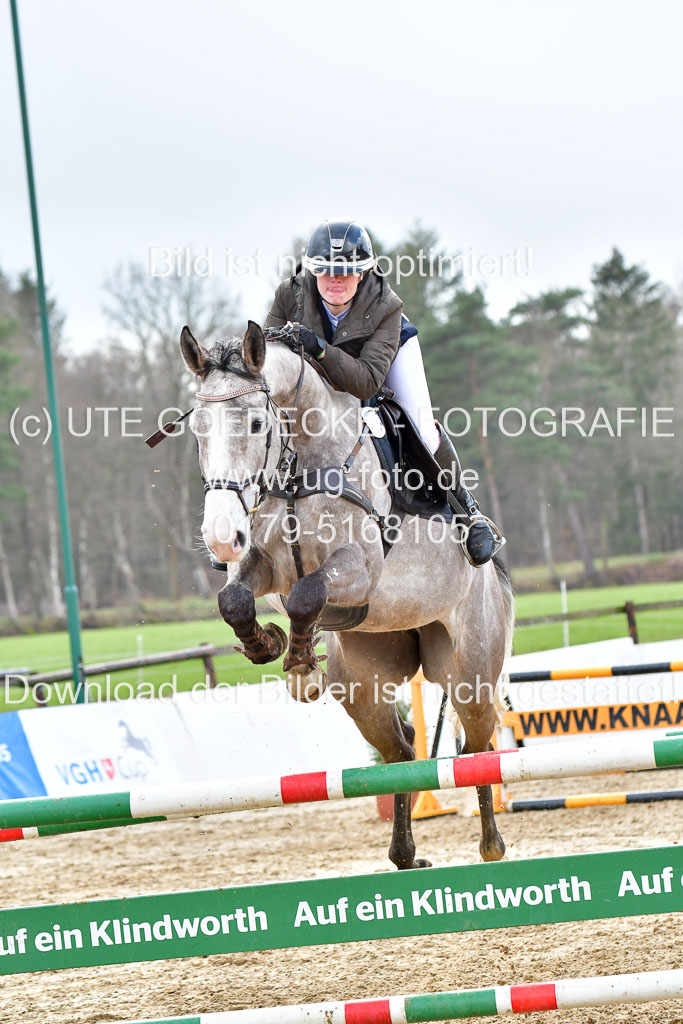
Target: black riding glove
{"type": "Point", "coordinates": [313, 345]}
{"type": "Point", "coordinates": [296, 334]}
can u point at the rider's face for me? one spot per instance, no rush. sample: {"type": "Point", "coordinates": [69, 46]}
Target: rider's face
{"type": "Point", "coordinates": [338, 289]}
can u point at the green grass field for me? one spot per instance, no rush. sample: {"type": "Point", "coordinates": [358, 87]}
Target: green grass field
{"type": "Point", "coordinates": [663, 624]}
{"type": "Point", "coordinates": [41, 652]}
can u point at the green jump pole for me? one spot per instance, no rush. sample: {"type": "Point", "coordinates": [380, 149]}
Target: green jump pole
{"type": "Point", "coordinates": [70, 587]}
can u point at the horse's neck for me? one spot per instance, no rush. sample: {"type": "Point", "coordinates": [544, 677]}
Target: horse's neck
{"type": "Point", "coordinates": [325, 423]}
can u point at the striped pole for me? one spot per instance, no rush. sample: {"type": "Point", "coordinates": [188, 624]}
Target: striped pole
{"type": "Point", "coordinates": [595, 673]}
{"type": "Point", "coordinates": [439, 1006]}
{"type": "Point", "coordinates": [554, 803]}
{"type": "Point", "coordinates": [8, 835]}
{"type": "Point", "coordinates": [591, 756]}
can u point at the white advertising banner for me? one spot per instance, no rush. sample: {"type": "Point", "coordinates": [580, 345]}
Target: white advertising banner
{"type": "Point", "coordinates": [259, 729]}
{"type": "Point", "coordinates": [111, 746]}
{"type": "Point", "coordinates": [232, 732]}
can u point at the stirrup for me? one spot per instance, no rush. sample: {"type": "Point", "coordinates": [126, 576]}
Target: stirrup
{"type": "Point", "coordinates": [476, 519]}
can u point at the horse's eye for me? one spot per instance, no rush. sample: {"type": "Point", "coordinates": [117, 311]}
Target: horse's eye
{"type": "Point", "coordinates": [256, 426]}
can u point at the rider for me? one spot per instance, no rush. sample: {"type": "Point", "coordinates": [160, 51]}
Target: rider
{"type": "Point", "coordinates": [352, 323]}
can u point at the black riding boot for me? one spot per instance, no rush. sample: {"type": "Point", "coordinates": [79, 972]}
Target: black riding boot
{"type": "Point", "coordinates": [483, 537]}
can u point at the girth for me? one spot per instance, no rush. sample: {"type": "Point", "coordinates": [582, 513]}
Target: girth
{"type": "Point", "coordinates": [328, 480]}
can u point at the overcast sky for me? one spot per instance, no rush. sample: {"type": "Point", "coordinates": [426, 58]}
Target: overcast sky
{"type": "Point", "coordinates": [553, 128]}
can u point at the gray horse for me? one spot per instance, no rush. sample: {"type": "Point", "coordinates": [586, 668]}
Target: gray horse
{"type": "Point", "coordinates": [259, 403]}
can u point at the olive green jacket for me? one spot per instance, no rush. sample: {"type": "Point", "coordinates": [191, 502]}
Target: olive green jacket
{"type": "Point", "coordinates": [366, 342]}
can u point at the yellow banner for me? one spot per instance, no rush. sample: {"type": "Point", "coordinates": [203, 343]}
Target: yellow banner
{"type": "Point", "coordinates": [599, 718]}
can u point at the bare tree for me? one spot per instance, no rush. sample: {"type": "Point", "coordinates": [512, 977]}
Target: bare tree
{"type": "Point", "coordinates": [149, 313]}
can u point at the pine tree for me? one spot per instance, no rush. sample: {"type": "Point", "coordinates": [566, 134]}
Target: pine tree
{"type": "Point", "coordinates": [423, 275]}
{"type": "Point", "coordinates": [634, 339]}
{"type": "Point", "coordinates": [548, 327]}
{"type": "Point", "coordinates": [472, 368]}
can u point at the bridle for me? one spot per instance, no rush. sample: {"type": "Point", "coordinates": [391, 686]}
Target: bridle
{"type": "Point", "coordinates": [259, 479]}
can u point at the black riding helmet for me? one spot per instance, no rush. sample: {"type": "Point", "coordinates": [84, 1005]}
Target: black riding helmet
{"type": "Point", "coordinates": [339, 247]}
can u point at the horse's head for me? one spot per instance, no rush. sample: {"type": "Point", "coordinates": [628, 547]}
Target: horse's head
{"type": "Point", "coordinates": [252, 399]}
{"type": "Point", "coordinates": [234, 425]}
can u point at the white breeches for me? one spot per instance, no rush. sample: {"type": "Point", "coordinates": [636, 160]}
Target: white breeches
{"type": "Point", "coordinates": [407, 380]}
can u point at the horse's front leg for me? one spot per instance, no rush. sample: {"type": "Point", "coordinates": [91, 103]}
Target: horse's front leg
{"type": "Point", "coordinates": [260, 644]}
{"type": "Point", "coordinates": [343, 579]}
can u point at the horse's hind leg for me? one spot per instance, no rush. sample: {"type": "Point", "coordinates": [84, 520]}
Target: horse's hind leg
{"type": "Point", "coordinates": [492, 845]}
{"type": "Point", "coordinates": [360, 665]}
{"type": "Point", "coordinates": [474, 700]}
{"type": "Point", "coordinates": [469, 677]}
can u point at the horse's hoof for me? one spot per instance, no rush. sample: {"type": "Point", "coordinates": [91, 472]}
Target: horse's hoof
{"type": "Point", "coordinates": [494, 851]}
{"type": "Point", "coordinates": [267, 644]}
{"type": "Point", "coordinates": [279, 638]}
{"type": "Point", "coordinates": [306, 684]}
{"type": "Point", "coordinates": [417, 862]}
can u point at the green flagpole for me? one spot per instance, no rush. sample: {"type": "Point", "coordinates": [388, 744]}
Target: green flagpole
{"type": "Point", "coordinates": [70, 588]}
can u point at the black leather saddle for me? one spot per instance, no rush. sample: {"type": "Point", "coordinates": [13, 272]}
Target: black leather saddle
{"type": "Point", "coordinates": [411, 468]}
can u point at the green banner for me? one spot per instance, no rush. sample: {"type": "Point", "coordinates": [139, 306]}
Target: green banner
{"type": "Point", "coordinates": [287, 914]}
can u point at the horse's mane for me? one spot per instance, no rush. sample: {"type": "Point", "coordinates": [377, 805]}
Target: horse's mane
{"type": "Point", "coordinates": [226, 356]}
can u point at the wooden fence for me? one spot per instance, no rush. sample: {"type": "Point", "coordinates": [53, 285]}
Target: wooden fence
{"type": "Point", "coordinates": [629, 610]}
{"type": "Point", "coordinates": [204, 652]}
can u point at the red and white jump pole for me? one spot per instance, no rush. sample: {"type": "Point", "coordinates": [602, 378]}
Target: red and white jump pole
{"type": "Point", "coordinates": [439, 1006]}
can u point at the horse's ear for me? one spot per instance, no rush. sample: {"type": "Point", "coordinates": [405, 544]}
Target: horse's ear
{"type": "Point", "coordinates": [193, 353]}
{"type": "Point", "coordinates": [254, 348]}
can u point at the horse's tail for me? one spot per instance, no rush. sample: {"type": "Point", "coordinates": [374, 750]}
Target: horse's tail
{"type": "Point", "coordinates": [508, 595]}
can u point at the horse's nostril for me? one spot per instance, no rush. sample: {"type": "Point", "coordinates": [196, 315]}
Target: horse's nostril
{"type": "Point", "coordinates": [240, 539]}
